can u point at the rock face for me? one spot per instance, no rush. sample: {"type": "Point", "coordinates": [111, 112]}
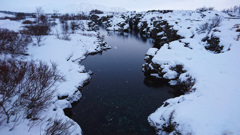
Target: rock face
{"type": "Point", "coordinates": [156, 28]}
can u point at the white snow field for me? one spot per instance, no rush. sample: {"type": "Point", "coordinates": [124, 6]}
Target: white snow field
{"type": "Point", "coordinates": [67, 55]}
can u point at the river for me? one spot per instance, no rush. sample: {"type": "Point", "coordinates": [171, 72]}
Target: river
{"type": "Point", "coordinates": [119, 97]}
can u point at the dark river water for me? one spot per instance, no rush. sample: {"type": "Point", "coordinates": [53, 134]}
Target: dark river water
{"type": "Point", "coordinates": [119, 97]}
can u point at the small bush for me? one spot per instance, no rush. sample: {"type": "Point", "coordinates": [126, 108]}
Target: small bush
{"type": "Point", "coordinates": [179, 68]}
{"type": "Point", "coordinates": [27, 22]}
{"type": "Point", "coordinates": [204, 9]}
{"type": "Point", "coordinates": [11, 75]}
{"type": "Point", "coordinates": [95, 11]}
{"type": "Point", "coordinates": [76, 26]}
{"type": "Point", "coordinates": [59, 127]}
{"type": "Point", "coordinates": [213, 44]}
{"type": "Point", "coordinates": [37, 30]}
{"type": "Point", "coordinates": [170, 126]}
{"type": "Point", "coordinates": [208, 26]}
{"type": "Point", "coordinates": [238, 37]}
{"type": "Point", "coordinates": [20, 16]}
{"type": "Point", "coordinates": [215, 22]}
{"type": "Point", "coordinates": [202, 28]}
{"type": "Point", "coordinates": [187, 84]}
{"type": "Point", "coordinates": [26, 87]}
{"type": "Point", "coordinates": [13, 43]}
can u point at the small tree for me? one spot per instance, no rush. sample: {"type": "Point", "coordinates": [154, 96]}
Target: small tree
{"type": "Point", "coordinates": [39, 13]}
{"type": "Point", "coordinates": [13, 43]}
{"type": "Point", "coordinates": [59, 127]}
{"type": "Point", "coordinates": [65, 31]}
{"type": "Point", "coordinates": [41, 28]}
{"type": "Point", "coordinates": [213, 23]}
{"type": "Point", "coordinates": [74, 26]}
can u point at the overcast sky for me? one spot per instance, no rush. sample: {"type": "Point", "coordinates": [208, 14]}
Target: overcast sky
{"type": "Point", "coordinates": [137, 5]}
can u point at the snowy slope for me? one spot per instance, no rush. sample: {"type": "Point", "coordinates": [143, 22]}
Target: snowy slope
{"type": "Point", "coordinates": [211, 107]}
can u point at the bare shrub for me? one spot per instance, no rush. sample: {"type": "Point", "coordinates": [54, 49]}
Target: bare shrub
{"type": "Point", "coordinates": [41, 28]}
{"type": "Point", "coordinates": [186, 85]}
{"type": "Point", "coordinates": [11, 75]}
{"type": "Point", "coordinates": [202, 28]}
{"type": "Point", "coordinates": [39, 13]}
{"type": "Point", "coordinates": [96, 11]}
{"type": "Point", "coordinates": [20, 16]}
{"type": "Point", "coordinates": [208, 26]}
{"type": "Point", "coordinates": [38, 29]}
{"type": "Point", "coordinates": [170, 126]}
{"type": "Point", "coordinates": [38, 88]}
{"type": "Point", "coordinates": [238, 37]}
{"type": "Point", "coordinates": [101, 39]}
{"type": "Point", "coordinates": [13, 43]}
{"type": "Point", "coordinates": [215, 22]}
{"type": "Point", "coordinates": [27, 22]}
{"type": "Point", "coordinates": [76, 26]}
{"type": "Point", "coordinates": [233, 11]}
{"type": "Point", "coordinates": [26, 87]}
{"type": "Point", "coordinates": [59, 127]}
{"type": "Point", "coordinates": [65, 31]}
{"type": "Point", "coordinates": [213, 44]}
{"type": "Point", "coordinates": [203, 9]}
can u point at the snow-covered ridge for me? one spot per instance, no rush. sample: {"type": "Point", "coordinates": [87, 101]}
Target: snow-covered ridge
{"type": "Point", "coordinates": [214, 88]}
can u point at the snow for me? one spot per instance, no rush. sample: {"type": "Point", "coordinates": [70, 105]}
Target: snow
{"type": "Point", "coordinates": [11, 25]}
{"type": "Point", "coordinates": [213, 107]}
{"type": "Point", "coordinates": [2, 15]}
{"type": "Point", "coordinates": [67, 55]}
{"type": "Point", "coordinates": [152, 51]}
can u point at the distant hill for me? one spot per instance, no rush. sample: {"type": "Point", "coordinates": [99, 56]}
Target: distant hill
{"type": "Point", "coordinates": [85, 7]}
{"type": "Point", "coordinates": [53, 6]}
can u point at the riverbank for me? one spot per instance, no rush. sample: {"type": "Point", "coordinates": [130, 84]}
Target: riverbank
{"type": "Point", "coordinates": [66, 54]}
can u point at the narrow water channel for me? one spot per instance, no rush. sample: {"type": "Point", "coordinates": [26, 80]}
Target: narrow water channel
{"type": "Point", "coordinates": [119, 97]}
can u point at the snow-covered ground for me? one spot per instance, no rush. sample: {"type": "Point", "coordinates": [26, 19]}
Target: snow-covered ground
{"type": "Point", "coordinates": [67, 55]}
{"type": "Point", "coordinates": [212, 105]}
